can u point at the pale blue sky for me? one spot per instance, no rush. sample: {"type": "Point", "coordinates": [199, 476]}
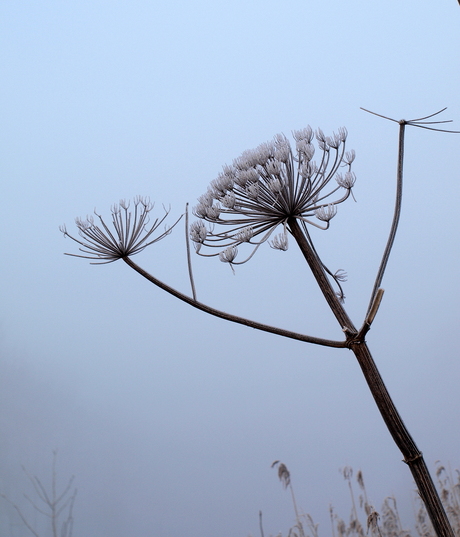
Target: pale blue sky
{"type": "Point", "coordinates": [168, 418]}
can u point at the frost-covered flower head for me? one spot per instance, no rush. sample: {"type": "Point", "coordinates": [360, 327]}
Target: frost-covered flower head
{"type": "Point", "coordinates": [132, 232]}
{"type": "Point", "coordinates": [266, 186]}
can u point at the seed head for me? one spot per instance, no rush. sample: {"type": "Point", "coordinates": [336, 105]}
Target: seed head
{"type": "Point", "coordinates": [131, 234]}
{"type": "Point", "coordinates": [326, 212]}
{"type": "Point", "coordinates": [228, 255]}
{"type": "Point", "coordinates": [266, 186]}
{"type": "Point", "coordinates": [280, 242]}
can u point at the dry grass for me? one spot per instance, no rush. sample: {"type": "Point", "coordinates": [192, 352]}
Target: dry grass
{"type": "Point", "coordinates": [365, 521]}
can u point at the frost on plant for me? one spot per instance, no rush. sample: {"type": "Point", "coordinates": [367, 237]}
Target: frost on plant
{"type": "Point", "coordinates": [132, 232]}
{"type": "Point", "coordinates": [266, 186]}
{"type": "Point", "coordinates": [265, 195]}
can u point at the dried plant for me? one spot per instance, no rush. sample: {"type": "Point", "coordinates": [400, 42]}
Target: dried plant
{"type": "Point", "coordinates": [303, 521]}
{"type": "Point", "coordinates": [450, 494]}
{"type": "Point", "coordinates": [53, 504]}
{"type": "Point", "coordinates": [285, 478]}
{"type": "Point", "coordinates": [387, 523]}
{"type": "Point", "coordinates": [131, 232]}
{"type": "Point", "coordinates": [266, 187]}
{"type": "Point", "coordinates": [276, 187]}
{"type": "Point", "coordinates": [365, 521]}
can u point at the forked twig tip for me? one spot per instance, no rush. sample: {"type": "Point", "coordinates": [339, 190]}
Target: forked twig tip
{"type": "Point", "coordinates": [419, 122]}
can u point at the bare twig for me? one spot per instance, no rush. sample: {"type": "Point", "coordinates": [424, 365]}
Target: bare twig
{"type": "Point", "coordinates": [189, 260]}
{"type": "Point", "coordinates": [54, 503]}
{"type": "Point", "coordinates": [399, 185]}
{"type": "Point", "coordinates": [260, 524]}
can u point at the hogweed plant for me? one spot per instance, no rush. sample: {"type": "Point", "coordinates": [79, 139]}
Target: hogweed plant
{"type": "Point", "coordinates": [274, 194]}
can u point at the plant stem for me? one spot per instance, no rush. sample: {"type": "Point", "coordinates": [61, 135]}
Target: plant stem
{"type": "Point", "coordinates": [189, 259]}
{"type": "Point", "coordinates": [320, 276]}
{"type": "Point", "coordinates": [233, 318]}
{"type": "Point", "coordinates": [412, 455]}
{"type": "Point", "coordinates": [396, 213]}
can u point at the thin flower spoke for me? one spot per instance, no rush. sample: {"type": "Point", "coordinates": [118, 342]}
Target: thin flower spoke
{"type": "Point", "coordinates": [131, 236]}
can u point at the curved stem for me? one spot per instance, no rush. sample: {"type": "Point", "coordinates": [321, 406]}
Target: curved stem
{"type": "Point", "coordinates": [233, 318]}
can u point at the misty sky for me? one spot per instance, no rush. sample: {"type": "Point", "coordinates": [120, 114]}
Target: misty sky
{"type": "Point", "coordinates": [168, 418]}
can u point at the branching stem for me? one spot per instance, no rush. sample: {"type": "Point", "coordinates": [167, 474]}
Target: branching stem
{"type": "Point", "coordinates": [251, 213]}
{"type": "Point", "coordinates": [412, 455]}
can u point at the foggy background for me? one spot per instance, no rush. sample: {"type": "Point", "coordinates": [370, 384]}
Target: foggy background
{"type": "Point", "coordinates": [168, 418]}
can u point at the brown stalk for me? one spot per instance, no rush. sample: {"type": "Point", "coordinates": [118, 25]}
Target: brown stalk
{"type": "Point", "coordinates": [230, 317]}
{"type": "Point", "coordinates": [412, 455]}
{"type": "Point", "coordinates": [104, 248]}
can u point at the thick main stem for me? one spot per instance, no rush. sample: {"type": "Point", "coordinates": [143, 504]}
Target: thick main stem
{"type": "Point", "coordinates": [412, 455]}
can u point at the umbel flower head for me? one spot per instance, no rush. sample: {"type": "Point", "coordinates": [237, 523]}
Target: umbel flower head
{"type": "Point", "coordinates": [132, 232]}
{"type": "Point", "coordinates": [266, 186]}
